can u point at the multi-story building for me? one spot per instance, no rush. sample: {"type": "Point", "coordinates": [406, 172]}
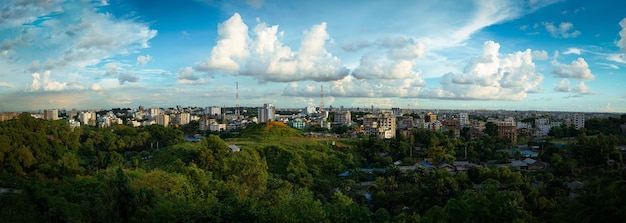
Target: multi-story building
{"type": "Point", "coordinates": [382, 125]}
{"type": "Point", "coordinates": [343, 118]}
{"type": "Point", "coordinates": [217, 127]}
{"type": "Point", "coordinates": [452, 125]}
{"type": "Point", "coordinates": [87, 118]}
{"type": "Point", "coordinates": [154, 112]}
{"type": "Point", "coordinates": [163, 119]}
{"type": "Point", "coordinates": [578, 121]}
{"type": "Point", "coordinates": [213, 111]}
{"type": "Point", "coordinates": [50, 114]}
{"type": "Point", "coordinates": [508, 129]}
{"type": "Point", "coordinates": [463, 119]}
{"type": "Point", "coordinates": [183, 118]}
{"type": "Point", "coordinates": [266, 113]}
{"type": "Point", "coordinates": [430, 117]}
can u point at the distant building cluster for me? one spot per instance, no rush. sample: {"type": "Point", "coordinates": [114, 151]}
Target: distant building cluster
{"type": "Point", "coordinates": [371, 121]}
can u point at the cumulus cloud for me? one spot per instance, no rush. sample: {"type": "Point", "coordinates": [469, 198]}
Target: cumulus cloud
{"type": "Point", "coordinates": [582, 88]}
{"type": "Point", "coordinates": [143, 60]}
{"type": "Point", "coordinates": [578, 69]}
{"type": "Point", "coordinates": [186, 76]}
{"type": "Point", "coordinates": [46, 84]}
{"type": "Point", "coordinates": [261, 54]}
{"type": "Point", "coordinates": [622, 42]}
{"type": "Point", "coordinates": [564, 30]}
{"type": "Point", "coordinates": [563, 86]}
{"type": "Point", "coordinates": [491, 76]}
{"type": "Point", "coordinates": [540, 55]}
{"type": "Point", "coordinates": [396, 61]}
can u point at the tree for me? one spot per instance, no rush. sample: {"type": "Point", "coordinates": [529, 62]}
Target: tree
{"type": "Point", "coordinates": [491, 129]}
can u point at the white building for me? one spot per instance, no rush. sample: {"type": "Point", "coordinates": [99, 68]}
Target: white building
{"type": "Point", "coordinates": [183, 118]}
{"type": "Point", "coordinates": [213, 111]}
{"type": "Point", "coordinates": [163, 119]}
{"type": "Point", "coordinates": [217, 127]}
{"type": "Point", "coordinates": [51, 114]}
{"type": "Point", "coordinates": [266, 113]}
{"type": "Point", "coordinates": [154, 112]}
{"type": "Point", "coordinates": [463, 119]}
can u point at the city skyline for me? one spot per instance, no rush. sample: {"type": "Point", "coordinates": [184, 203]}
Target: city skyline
{"type": "Point", "coordinates": [509, 55]}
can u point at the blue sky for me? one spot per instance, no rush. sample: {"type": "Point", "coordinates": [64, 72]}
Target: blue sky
{"type": "Point", "coordinates": [491, 54]}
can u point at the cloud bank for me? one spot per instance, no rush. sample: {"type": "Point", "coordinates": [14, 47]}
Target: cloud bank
{"type": "Point", "coordinates": [491, 76]}
{"type": "Point", "coordinates": [259, 53]}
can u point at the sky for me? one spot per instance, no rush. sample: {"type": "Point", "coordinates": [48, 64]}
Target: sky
{"type": "Point", "coordinates": [546, 55]}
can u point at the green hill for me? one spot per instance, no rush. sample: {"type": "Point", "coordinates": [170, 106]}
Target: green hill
{"type": "Point", "coordinates": [269, 130]}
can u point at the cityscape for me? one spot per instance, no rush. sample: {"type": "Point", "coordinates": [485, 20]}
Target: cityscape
{"type": "Point", "coordinates": [312, 111]}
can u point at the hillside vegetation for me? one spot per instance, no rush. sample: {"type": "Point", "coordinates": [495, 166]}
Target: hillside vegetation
{"type": "Point", "coordinates": [50, 172]}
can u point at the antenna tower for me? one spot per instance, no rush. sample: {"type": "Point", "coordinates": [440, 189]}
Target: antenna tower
{"type": "Point", "coordinates": [237, 101]}
{"type": "Point", "coordinates": [322, 97]}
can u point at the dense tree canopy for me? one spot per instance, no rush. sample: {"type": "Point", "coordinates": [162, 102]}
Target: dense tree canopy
{"type": "Point", "coordinates": [50, 172]}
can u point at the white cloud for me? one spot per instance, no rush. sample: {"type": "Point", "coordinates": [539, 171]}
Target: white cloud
{"type": "Point", "coordinates": [540, 55]}
{"type": "Point", "coordinates": [96, 87]}
{"type": "Point", "coordinates": [491, 76]}
{"type": "Point", "coordinates": [186, 76]}
{"type": "Point", "coordinates": [582, 88]}
{"type": "Point", "coordinates": [5, 84]}
{"type": "Point", "coordinates": [573, 51]}
{"type": "Point", "coordinates": [563, 86]}
{"type": "Point", "coordinates": [143, 60]}
{"type": "Point", "coordinates": [46, 84]}
{"type": "Point", "coordinates": [396, 61]}
{"type": "Point", "coordinates": [578, 69]}
{"type": "Point", "coordinates": [231, 48]}
{"type": "Point", "coordinates": [619, 58]}
{"type": "Point", "coordinates": [622, 33]}
{"type": "Point", "coordinates": [353, 87]}
{"type": "Point", "coordinates": [564, 30]}
{"type": "Point", "coordinates": [75, 35]}
{"type": "Point", "coordinates": [265, 57]}
{"type": "Point", "coordinates": [17, 13]}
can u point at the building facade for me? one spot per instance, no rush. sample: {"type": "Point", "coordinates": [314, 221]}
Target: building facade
{"type": "Point", "coordinates": [266, 113]}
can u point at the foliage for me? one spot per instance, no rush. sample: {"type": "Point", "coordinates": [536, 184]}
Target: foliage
{"type": "Point", "coordinates": [52, 173]}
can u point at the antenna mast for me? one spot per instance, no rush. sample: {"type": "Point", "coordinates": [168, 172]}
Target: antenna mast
{"type": "Point", "coordinates": [237, 101]}
{"type": "Point", "coordinates": [322, 97]}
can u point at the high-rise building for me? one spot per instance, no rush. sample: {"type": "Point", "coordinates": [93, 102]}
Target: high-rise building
{"type": "Point", "coordinates": [343, 118]}
{"type": "Point", "coordinates": [578, 121]}
{"type": "Point", "coordinates": [154, 112]}
{"type": "Point", "coordinates": [183, 118]}
{"type": "Point", "coordinates": [50, 114]}
{"type": "Point", "coordinates": [382, 125]}
{"type": "Point", "coordinates": [163, 119]}
{"type": "Point", "coordinates": [266, 113]}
